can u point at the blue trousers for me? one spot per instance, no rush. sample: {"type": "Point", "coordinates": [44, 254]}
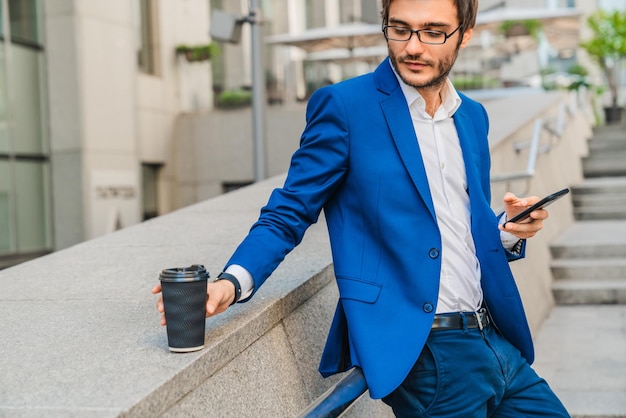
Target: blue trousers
{"type": "Point", "coordinates": [472, 373]}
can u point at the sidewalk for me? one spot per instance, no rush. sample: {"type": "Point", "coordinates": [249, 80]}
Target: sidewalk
{"type": "Point", "coordinates": [581, 352]}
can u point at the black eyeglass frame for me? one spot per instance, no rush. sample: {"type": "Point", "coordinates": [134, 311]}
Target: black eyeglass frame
{"type": "Point", "coordinates": [417, 32]}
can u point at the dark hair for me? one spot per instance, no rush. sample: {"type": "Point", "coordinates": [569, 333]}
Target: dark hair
{"type": "Point", "coordinates": [465, 11]}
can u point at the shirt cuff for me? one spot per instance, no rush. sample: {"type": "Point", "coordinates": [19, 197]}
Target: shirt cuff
{"type": "Point", "coordinates": [244, 277]}
{"type": "Point", "coordinates": [509, 241]}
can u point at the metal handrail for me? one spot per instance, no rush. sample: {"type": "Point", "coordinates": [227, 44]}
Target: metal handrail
{"type": "Point", "coordinates": [339, 397]}
{"type": "Point", "coordinates": [532, 156]}
{"type": "Point", "coordinates": [555, 127]}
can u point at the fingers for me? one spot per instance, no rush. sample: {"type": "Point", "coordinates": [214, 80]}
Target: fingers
{"type": "Point", "coordinates": [510, 200]}
{"type": "Point", "coordinates": [161, 310]}
{"type": "Point", "coordinates": [219, 296]}
{"type": "Point", "coordinates": [529, 227]}
{"type": "Point", "coordinates": [157, 288]}
{"type": "Point", "coordinates": [159, 303]}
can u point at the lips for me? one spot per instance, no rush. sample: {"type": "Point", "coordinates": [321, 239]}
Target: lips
{"type": "Point", "coordinates": [415, 65]}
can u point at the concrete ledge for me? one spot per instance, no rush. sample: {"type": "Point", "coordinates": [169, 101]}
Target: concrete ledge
{"type": "Point", "coordinates": [81, 335]}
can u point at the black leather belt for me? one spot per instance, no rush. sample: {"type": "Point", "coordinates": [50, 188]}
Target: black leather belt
{"type": "Point", "coordinates": [460, 320]}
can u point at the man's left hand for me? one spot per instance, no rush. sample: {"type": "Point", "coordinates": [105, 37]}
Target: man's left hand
{"type": "Point", "coordinates": [529, 227]}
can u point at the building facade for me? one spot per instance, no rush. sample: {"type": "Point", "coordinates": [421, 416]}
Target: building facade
{"type": "Point", "coordinates": [101, 110]}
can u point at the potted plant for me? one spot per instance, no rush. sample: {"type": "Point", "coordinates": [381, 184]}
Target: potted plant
{"type": "Point", "coordinates": [234, 99]}
{"type": "Point", "coordinates": [512, 28]}
{"type": "Point", "coordinates": [608, 47]}
{"type": "Point", "coordinates": [197, 53]}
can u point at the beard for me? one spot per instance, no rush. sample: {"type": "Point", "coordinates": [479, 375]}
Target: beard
{"type": "Point", "coordinates": [444, 66]}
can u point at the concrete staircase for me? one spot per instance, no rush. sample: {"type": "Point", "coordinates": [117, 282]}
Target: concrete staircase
{"type": "Point", "coordinates": [589, 260]}
{"type": "Point", "coordinates": [607, 152]}
{"type": "Point", "coordinates": [581, 347]}
{"type": "Point", "coordinates": [589, 264]}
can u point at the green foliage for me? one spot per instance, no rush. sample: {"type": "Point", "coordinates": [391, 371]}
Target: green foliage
{"type": "Point", "coordinates": [198, 53]}
{"type": "Point", "coordinates": [607, 44]}
{"type": "Point", "coordinates": [521, 27]}
{"type": "Point", "coordinates": [580, 78]}
{"type": "Point", "coordinates": [578, 69]}
{"type": "Point", "coordinates": [609, 35]}
{"type": "Point", "coordinates": [474, 82]}
{"type": "Point", "coordinates": [234, 99]}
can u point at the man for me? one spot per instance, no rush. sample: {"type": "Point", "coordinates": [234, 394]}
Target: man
{"type": "Point", "coordinates": [399, 161]}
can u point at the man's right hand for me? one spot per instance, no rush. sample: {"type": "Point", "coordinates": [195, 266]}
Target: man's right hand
{"type": "Point", "coordinates": [220, 295]}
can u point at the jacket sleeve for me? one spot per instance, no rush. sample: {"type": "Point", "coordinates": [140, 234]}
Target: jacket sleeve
{"type": "Point", "coordinates": [316, 171]}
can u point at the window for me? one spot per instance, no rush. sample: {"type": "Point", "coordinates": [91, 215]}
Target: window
{"type": "Point", "coordinates": [365, 11]}
{"type": "Point", "coordinates": [25, 225]}
{"type": "Point", "coordinates": [315, 14]}
{"type": "Point", "coordinates": [24, 21]}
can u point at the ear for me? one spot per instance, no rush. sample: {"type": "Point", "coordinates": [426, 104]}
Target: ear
{"type": "Point", "coordinates": [467, 36]}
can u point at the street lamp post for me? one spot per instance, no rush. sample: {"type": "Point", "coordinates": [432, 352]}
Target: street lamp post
{"type": "Point", "coordinates": [258, 90]}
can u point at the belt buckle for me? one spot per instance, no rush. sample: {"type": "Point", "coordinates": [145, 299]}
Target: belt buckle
{"type": "Point", "coordinates": [479, 320]}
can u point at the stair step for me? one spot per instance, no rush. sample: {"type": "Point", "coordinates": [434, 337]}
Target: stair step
{"type": "Point", "coordinates": [584, 292]}
{"type": "Point", "coordinates": [608, 151]}
{"type": "Point", "coordinates": [585, 251]}
{"type": "Point", "coordinates": [591, 239]}
{"type": "Point", "coordinates": [602, 268]}
{"type": "Point", "coordinates": [602, 167]}
{"type": "Point", "coordinates": [603, 199]}
{"type": "Point", "coordinates": [607, 144]}
{"type": "Point", "coordinates": [612, 132]}
{"type": "Point", "coordinates": [600, 198]}
{"type": "Point", "coordinates": [591, 214]}
{"type": "Point", "coordinates": [596, 185]}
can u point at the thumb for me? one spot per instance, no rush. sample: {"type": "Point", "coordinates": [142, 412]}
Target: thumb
{"type": "Point", "coordinates": [509, 198]}
{"type": "Point", "coordinates": [210, 307]}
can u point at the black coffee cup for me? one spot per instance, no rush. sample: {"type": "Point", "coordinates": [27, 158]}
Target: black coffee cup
{"type": "Point", "coordinates": [184, 300]}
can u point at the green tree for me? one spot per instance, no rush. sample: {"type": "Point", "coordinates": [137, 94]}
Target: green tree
{"type": "Point", "coordinates": [608, 45]}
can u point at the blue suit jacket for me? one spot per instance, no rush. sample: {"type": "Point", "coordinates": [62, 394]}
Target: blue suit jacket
{"type": "Point", "coordinates": [359, 160]}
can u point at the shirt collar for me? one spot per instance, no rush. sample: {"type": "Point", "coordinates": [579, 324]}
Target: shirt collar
{"type": "Point", "coordinates": [450, 99]}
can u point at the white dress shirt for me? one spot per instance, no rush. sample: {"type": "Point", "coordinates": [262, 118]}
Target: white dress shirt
{"type": "Point", "coordinates": [459, 288]}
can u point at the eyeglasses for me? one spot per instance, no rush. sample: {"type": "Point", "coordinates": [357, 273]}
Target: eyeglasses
{"type": "Point", "coordinates": [425, 36]}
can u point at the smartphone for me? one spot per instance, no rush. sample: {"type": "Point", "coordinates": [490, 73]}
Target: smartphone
{"type": "Point", "coordinates": [539, 205]}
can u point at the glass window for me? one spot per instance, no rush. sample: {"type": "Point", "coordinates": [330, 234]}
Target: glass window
{"type": "Point", "coordinates": [315, 14]}
{"type": "Point", "coordinates": [26, 106]}
{"type": "Point", "coordinates": [4, 126]}
{"type": "Point", "coordinates": [370, 12]}
{"type": "Point", "coordinates": [6, 232]}
{"type": "Point", "coordinates": [24, 20]}
{"type": "Point", "coordinates": [30, 195]}
{"type": "Point", "coordinates": [347, 11]}
{"type": "Point", "coordinates": [25, 227]}
{"type": "Point", "coordinates": [365, 11]}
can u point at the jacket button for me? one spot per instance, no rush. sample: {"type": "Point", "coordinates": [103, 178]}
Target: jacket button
{"type": "Point", "coordinates": [433, 253]}
{"type": "Point", "coordinates": [428, 307]}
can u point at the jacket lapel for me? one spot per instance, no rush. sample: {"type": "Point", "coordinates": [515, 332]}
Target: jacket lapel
{"type": "Point", "coordinates": [471, 157]}
{"type": "Point", "coordinates": [398, 117]}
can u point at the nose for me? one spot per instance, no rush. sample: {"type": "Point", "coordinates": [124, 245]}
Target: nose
{"type": "Point", "coordinates": [414, 46]}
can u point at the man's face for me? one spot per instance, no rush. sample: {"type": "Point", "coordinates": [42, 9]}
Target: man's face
{"type": "Point", "coordinates": [421, 65]}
